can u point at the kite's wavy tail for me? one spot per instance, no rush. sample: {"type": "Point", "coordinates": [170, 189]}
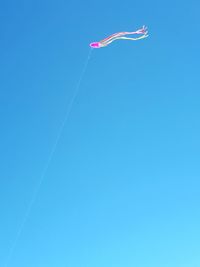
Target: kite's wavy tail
{"type": "Point", "coordinates": [134, 39]}
{"type": "Point", "coordinates": [123, 35]}
{"type": "Point", "coordinates": [128, 38]}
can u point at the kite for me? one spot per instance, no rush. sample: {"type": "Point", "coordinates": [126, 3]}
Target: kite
{"type": "Point", "coordinates": [121, 35]}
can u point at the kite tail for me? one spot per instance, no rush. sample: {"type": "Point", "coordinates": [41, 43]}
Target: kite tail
{"type": "Point", "coordinates": [126, 38]}
{"type": "Point", "coordinates": [134, 39]}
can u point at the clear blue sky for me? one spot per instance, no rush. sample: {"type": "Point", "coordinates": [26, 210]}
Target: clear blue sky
{"type": "Point", "coordinates": [123, 187]}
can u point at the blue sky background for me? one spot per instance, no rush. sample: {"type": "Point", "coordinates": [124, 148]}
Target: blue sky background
{"type": "Point", "coordinates": [123, 186]}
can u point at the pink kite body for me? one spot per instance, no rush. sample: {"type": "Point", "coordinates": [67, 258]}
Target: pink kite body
{"type": "Point", "coordinates": [95, 45]}
{"type": "Point", "coordinates": [143, 33]}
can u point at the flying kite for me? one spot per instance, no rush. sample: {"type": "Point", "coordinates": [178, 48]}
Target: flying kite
{"type": "Point", "coordinates": [121, 35]}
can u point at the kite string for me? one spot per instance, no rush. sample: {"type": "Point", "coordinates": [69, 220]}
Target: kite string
{"type": "Point", "coordinates": [52, 152]}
